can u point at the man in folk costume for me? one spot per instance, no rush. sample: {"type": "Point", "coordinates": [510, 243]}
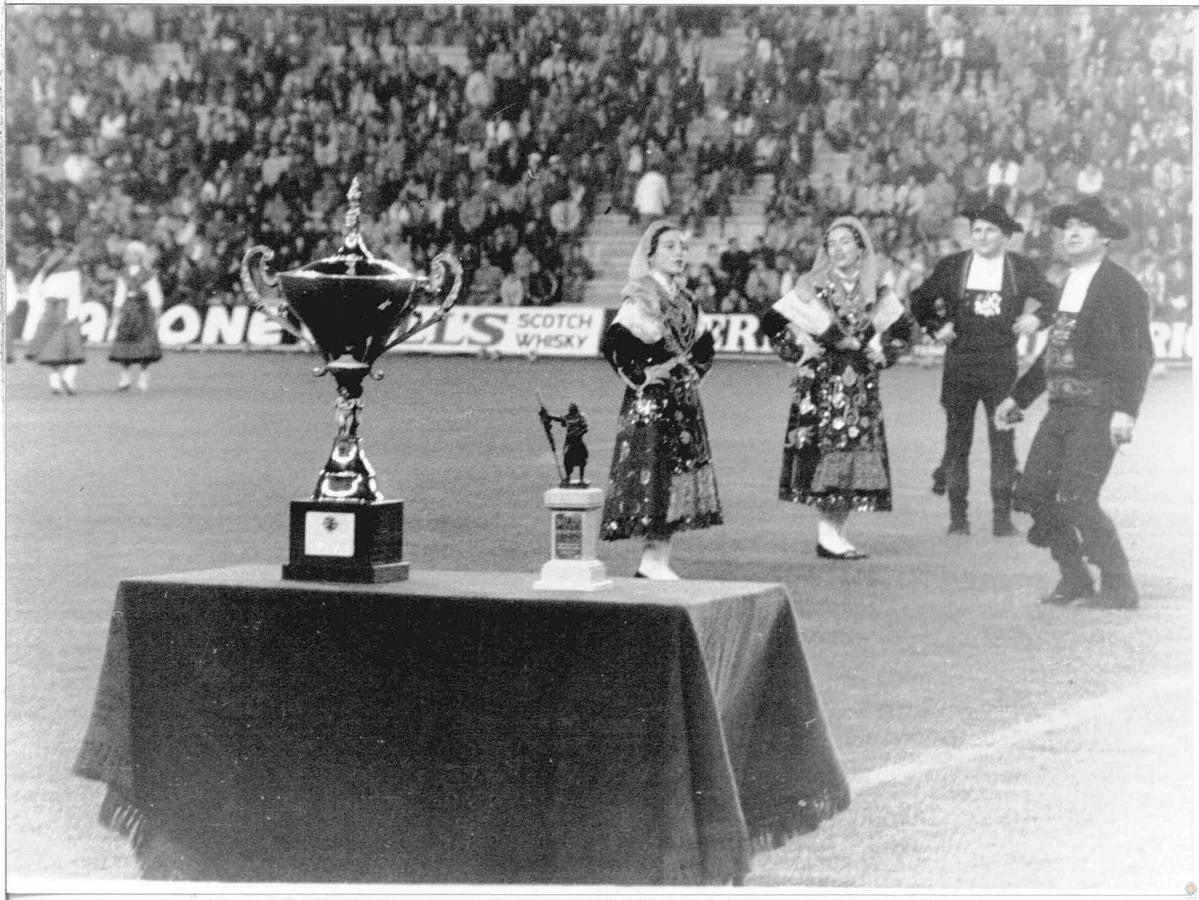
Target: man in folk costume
{"type": "Point", "coordinates": [57, 290]}
{"type": "Point", "coordinates": [1094, 368]}
{"type": "Point", "coordinates": [979, 303]}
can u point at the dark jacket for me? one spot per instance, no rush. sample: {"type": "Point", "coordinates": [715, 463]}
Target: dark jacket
{"type": "Point", "coordinates": [947, 283]}
{"type": "Point", "coordinates": [630, 355]}
{"type": "Point", "coordinates": [1110, 341]}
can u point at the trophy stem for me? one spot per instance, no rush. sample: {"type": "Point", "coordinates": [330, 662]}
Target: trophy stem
{"type": "Point", "coordinates": [348, 476]}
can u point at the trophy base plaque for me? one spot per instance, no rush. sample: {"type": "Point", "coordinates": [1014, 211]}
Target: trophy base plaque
{"type": "Point", "coordinates": [574, 531]}
{"type": "Point", "coordinates": [362, 543]}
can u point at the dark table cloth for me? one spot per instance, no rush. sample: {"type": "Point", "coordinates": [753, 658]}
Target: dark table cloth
{"type": "Point", "coordinates": [456, 727]}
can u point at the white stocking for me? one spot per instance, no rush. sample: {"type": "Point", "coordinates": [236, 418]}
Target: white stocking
{"type": "Point", "coordinates": [831, 530]}
{"type": "Point", "coordinates": [655, 561]}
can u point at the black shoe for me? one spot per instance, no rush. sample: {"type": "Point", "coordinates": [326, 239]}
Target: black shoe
{"type": "Point", "coordinates": [960, 527]}
{"type": "Point", "coordinates": [824, 553]}
{"type": "Point", "coordinates": [639, 574]}
{"type": "Point", "coordinates": [1115, 593]}
{"type": "Point", "coordinates": [1070, 589]}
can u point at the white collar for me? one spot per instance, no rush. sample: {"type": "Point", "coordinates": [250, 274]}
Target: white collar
{"type": "Point", "coordinates": [664, 281]}
{"type": "Point", "coordinates": [1078, 282]}
{"type": "Point", "coordinates": [986, 273]}
{"type": "Point", "coordinates": [1086, 270]}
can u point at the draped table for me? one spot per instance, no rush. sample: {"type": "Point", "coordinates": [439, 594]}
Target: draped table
{"type": "Point", "coordinates": [456, 727]}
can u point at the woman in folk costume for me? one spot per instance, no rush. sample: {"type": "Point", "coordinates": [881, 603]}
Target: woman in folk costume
{"type": "Point", "coordinates": [661, 480]}
{"type": "Point", "coordinates": [57, 289]}
{"type": "Point", "coordinates": [839, 326]}
{"type": "Point", "coordinates": [136, 306]}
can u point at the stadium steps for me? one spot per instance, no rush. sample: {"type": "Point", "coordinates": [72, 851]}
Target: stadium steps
{"type": "Point", "coordinates": [611, 240]}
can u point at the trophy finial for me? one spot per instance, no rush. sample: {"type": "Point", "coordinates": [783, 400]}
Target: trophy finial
{"type": "Point", "coordinates": [353, 237]}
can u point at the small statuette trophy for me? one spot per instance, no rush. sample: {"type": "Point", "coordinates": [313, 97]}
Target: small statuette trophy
{"type": "Point", "coordinates": [574, 512]}
{"type": "Point", "coordinates": [355, 307]}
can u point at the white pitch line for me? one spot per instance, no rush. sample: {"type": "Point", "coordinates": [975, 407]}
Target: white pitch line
{"type": "Point", "coordinates": [1071, 715]}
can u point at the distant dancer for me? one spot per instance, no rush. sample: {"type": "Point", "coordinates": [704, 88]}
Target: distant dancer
{"type": "Point", "coordinates": [661, 480]}
{"type": "Point", "coordinates": [136, 306]}
{"type": "Point", "coordinates": [978, 303]}
{"type": "Point", "coordinates": [57, 343]}
{"type": "Point", "coordinates": [1095, 367]}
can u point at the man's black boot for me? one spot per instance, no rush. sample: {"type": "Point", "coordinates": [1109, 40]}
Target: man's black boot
{"type": "Point", "coordinates": [1116, 591]}
{"type": "Point", "coordinates": [1075, 584]}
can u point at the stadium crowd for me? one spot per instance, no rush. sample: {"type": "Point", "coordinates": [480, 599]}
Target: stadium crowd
{"type": "Point", "coordinates": [904, 120]}
{"type": "Point", "coordinates": [205, 130]}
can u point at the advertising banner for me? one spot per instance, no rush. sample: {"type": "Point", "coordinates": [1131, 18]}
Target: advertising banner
{"type": "Point", "coordinates": [556, 331]}
{"type": "Point", "coordinates": [512, 331]}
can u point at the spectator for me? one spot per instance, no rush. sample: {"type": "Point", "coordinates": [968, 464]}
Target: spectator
{"type": "Point", "coordinates": [734, 262]}
{"type": "Point", "coordinates": [1090, 179]}
{"type": "Point", "coordinates": [541, 287]}
{"type": "Point", "coordinates": [485, 283]}
{"type": "Point", "coordinates": [512, 290]}
{"type": "Point", "coordinates": [763, 283]}
{"type": "Point", "coordinates": [576, 272]}
{"type": "Point", "coordinates": [651, 197]}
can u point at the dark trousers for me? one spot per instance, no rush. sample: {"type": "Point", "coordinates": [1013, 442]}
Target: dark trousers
{"type": "Point", "coordinates": [1065, 470]}
{"type": "Point", "coordinates": [960, 398]}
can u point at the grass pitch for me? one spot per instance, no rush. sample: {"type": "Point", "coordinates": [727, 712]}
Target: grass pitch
{"type": "Point", "coordinates": [993, 743]}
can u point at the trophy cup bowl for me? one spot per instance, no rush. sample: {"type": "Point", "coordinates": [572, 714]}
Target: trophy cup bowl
{"type": "Point", "coordinates": [353, 307]}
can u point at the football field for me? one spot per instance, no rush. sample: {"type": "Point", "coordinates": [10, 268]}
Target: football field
{"type": "Point", "coordinates": [992, 742]}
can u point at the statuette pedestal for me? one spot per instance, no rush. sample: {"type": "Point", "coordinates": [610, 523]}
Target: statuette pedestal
{"type": "Point", "coordinates": [574, 530]}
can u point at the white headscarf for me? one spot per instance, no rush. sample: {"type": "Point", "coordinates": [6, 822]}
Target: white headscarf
{"type": "Point", "coordinates": [639, 265]}
{"type": "Point", "coordinates": [822, 269]}
{"type": "Point", "coordinates": [800, 304]}
{"type": "Point", "coordinates": [640, 309]}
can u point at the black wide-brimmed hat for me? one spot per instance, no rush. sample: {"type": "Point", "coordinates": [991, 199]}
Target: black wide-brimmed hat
{"type": "Point", "coordinates": [1094, 212]}
{"type": "Point", "coordinates": [996, 215]}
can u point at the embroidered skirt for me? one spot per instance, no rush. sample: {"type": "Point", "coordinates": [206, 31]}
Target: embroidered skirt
{"type": "Point", "coordinates": [835, 450]}
{"type": "Point", "coordinates": [661, 480]}
{"type": "Point", "coordinates": [136, 339]}
{"type": "Point", "coordinates": [58, 340]}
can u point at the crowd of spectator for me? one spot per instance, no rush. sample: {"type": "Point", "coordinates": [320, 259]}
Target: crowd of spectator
{"type": "Point", "coordinates": [206, 130]}
{"type": "Point", "coordinates": [904, 116]}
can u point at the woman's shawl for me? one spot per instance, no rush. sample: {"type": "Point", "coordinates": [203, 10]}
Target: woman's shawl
{"type": "Point", "coordinates": [641, 310]}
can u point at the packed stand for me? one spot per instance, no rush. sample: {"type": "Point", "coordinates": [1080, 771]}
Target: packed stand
{"type": "Point", "coordinates": [904, 116]}
{"type": "Point", "coordinates": [207, 130]}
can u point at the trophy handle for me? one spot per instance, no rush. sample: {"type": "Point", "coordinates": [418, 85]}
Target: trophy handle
{"type": "Point", "coordinates": [256, 276]}
{"type": "Point", "coordinates": [443, 264]}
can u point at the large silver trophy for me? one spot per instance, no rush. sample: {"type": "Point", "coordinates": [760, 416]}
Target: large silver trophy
{"type": "Point", "coordinates": [353, 307]}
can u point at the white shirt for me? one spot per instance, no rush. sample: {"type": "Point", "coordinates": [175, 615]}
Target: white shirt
{"type": "Point", "coordinates": [985, 274]}
{"type": "Point", "coordinates": [67, 284]}
{"type": "Point", "coordinates": [1074, 291]}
